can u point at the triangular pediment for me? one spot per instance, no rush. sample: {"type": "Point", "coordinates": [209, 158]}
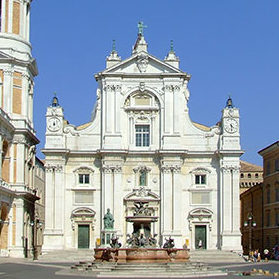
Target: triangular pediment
{"type": "Point", "coordinates": [142, 63]}
{"type": "Point", "coordinates": [142, 194]}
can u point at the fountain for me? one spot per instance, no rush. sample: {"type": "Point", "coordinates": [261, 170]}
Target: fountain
{"type": "Point", "coordinates": [141, 245]}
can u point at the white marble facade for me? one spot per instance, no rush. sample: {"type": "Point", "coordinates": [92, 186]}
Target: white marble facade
{"type": "Point", "coordinates": [141, 127]}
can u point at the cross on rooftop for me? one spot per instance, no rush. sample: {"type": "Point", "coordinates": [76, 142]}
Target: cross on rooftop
{"type": "Point", "coordinates": [140, 28]}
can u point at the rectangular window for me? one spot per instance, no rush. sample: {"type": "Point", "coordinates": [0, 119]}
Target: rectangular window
{"type": "Point", "coordinates": [276, 165]}
{"type": "Point", "coordinates": [200, 179]}
{"type": "Point", "coordinates": [84, 197]}
{"type": "Point", "coordinates": [277, 194]}
{"type": "Point", "coordinates": [200, 198]}
{"type": "Point", "coordinates": [83, 178]}
{"type": "Point", "coordinates": [276, 218]}
{"type": "Point", "coordinates": [268, 219]}
{"type": "Point", "coordinates": [268, 195]}
{"type": "Point", "coordinates": [142, 135]}
{"type": "Point", "coordinates": [267, 168]}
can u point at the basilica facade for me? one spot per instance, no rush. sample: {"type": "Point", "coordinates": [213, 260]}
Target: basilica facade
{"type": "Point", "coordinates": [142, 147]}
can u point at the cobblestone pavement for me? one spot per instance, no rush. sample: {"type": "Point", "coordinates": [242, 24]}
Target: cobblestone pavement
{"type": "Point", "coordinates": [26, 268]}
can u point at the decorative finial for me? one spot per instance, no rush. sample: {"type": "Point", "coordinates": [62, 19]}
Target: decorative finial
{"type": "Point", "coordinates": [171, 46]}
{"type": "Point", "coordinates": [55, 102]}
{"type": "Point", "coordinates": [113, 46]}
{"type": "Point", "coordinates": [229, 103]}
{"type": "Point", "coordinates": [140, 28]}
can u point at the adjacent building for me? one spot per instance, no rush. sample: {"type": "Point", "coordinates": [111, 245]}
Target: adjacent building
{"type": "Point", "coordinates": [270, 156]}
{"type": "Point", "coordinates": [262, 203]}
{"type": "Point", "coordinates": [39, 214]}
{"type": "Point", "coordinates": [17, 135]}
{"type": "Point", "coordinates": [250, 175]}
{"type": "Point", "coordinates": [141, 146]}
{"type": "Point", "coordinates": [252, 204]}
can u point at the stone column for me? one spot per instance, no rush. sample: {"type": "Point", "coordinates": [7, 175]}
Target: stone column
{"type": "Point", "coordinates": [3, 17]}
{"type": "Point", "coordinates": [107, 191]}
{"type": "Point", "coordinates": [49, 197]}
{"type": "Point", "coordinates": [7, 90]}
{"type": "Point", "coordinates": [19, 235]}
{"type": "Point", "coordinates": [54, 207]}
{"type": "Point", "coordinates": [226, 200]}
{"type": "Point", "coordinates": [166, 200]}
{"type": "Point", "coordinates": [118, 200]}
{"type": "Point", "coordinates": [177, 199]}
{"type": "Point", "coordinates": [10, 17]}
{"type": "Point", "coordinates": [117, 107]}
{"type": "Point", "coordinates": [231, 237]}
{"type": "Point", "coordinates": [30, 102]}
{"type": "Point", "coordinates": [25, 89]}
{"type": "Point", "coordinates": [20, 142]}
{"type": "Point", "coordinates": [59, 198]}
{"type": "Point", "coordinates": [168, 128]}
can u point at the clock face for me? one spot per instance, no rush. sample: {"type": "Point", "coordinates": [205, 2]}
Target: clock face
{"type": "Point", "coordinates": [54, 124]}
{"type": "Point", "coordinates": [231, 125]}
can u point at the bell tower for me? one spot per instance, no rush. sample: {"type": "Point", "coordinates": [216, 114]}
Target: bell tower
{"type": "Point", "coordinates": [17, 66]}
{"type": "Point", "coordinates": [17, 135]}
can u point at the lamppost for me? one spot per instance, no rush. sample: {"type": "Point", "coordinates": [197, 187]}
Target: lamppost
{"type": "Point", "coordinates": [250, 224]}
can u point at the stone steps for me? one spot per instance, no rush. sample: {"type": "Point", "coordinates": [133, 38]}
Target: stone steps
{"type": "Point", "coordinates": [144, 269]}
{"type": "Point", "coordinates": [215, 256]}
{"type": "Point", "coordinates": [73, 255]}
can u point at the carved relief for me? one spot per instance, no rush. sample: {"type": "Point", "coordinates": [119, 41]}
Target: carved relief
{"type": "Point", "coordinates": [171, 168]}
{"type": "Point", "coordinates": [112, 168]}
{"type": "Point", "coordinates": [53, 168]}
{"type": "Point", "coordinates": [141, 169]}
{"type": "Point", "coordinates": [142, 86]}
{"type": "Point", "coordinates": [172, 88]}
{"type": "Point", "coordinates": [31, 154]}
{"type": "Point", "coordinates": [71, 130]}
{"type": "Point", "coordinates": [230, 168]}
{"type": "Point", "coordinates": [142, 63]}
{"type": "Point", "coordinates": [215, 130]}
{"type": "Point", "coordinates": [113, 87]}
{"type": "Point", "coordinates": [19, 139]}
{"type": "Point", "coordinates": [143, 115]}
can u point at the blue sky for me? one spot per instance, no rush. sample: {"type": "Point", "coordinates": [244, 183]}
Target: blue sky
{"type": "Point", "coordinates": [229, 47]}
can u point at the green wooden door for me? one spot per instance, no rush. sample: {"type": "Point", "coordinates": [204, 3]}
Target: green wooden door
{"type": "Point", "coordinates": [200, 237]}
{"type": "Point", "coordinates": [83, 236]}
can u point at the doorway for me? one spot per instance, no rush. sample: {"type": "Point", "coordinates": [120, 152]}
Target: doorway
{"type": "Point", "coordinates": [83, 236]}
{"type": "Point", "coordinates": [200, 236]}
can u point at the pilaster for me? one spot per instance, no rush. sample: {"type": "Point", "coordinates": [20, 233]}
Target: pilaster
{"type": "Point", "coordinates": [7, 90]}
{"type": "Point", "coordinates": [170, 187]}
{"type": "Point", "coordinates": [54, 206]}
{"type": "Point", "coordinates": [112, 177]}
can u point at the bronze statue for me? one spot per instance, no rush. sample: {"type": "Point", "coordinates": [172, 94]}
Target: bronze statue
{"type": "Point", "coordinates": [108, 220]}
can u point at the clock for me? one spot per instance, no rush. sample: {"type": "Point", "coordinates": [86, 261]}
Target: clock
{"type": "Point", "coordinates": [231, 125]}
{"type": "Point", "coordinates": [53, 124]}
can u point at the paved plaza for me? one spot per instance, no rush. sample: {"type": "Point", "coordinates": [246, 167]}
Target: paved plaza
{"type": "Point", "coordinates": [59, 266]}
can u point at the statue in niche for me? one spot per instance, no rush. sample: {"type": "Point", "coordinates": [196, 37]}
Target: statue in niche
{"type": "Point", "coordinates": [142, 178]}
{"type": "Point", "coordinates": [108, 220]}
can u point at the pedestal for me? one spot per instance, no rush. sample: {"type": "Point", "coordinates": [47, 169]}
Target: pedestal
{"type": "Point", "coordinates": [106, 236]}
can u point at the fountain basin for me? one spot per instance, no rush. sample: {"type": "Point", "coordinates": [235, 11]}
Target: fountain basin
{"type": "Point", "coordinates": [141, 255]}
